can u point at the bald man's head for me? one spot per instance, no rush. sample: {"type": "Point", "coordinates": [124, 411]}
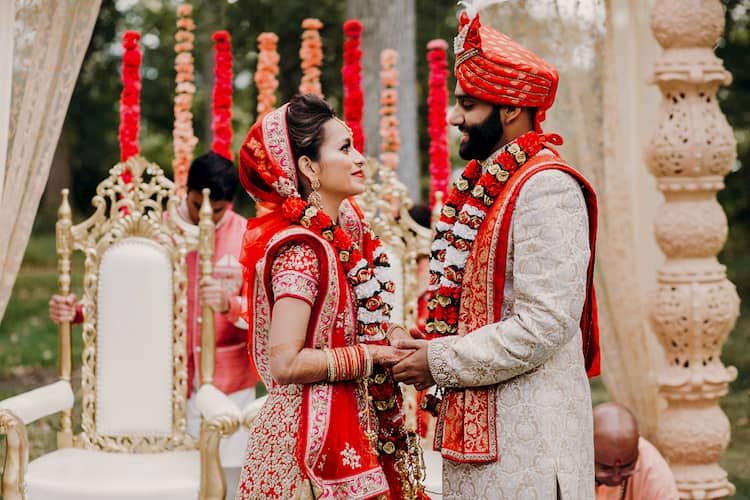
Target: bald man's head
{"type": "Point", "coordinates": [615, 443]}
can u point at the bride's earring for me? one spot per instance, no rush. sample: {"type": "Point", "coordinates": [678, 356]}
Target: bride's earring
{"type": "Point", "coordinates": [314, 198]}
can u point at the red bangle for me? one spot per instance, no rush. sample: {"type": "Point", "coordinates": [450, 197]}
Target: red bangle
{"type": "Point", "coordinates": [78, 318]}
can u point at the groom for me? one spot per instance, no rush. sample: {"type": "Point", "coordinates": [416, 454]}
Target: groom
{"type": "Point", "coordinates": [512, 311]}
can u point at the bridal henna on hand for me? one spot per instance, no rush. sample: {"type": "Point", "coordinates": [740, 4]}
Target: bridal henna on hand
{"type": "Point", "coordinates": [388, 356]}
{"type": "Point", "coordinates": [415, 369]}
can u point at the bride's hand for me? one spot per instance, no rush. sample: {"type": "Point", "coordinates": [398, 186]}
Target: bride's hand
{"type": "Point", "coordinates": [386, 355]}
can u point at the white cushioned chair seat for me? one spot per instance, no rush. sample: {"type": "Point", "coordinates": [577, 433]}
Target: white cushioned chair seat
{"type": "Point", "coordinates": [433, 481]}
{"type": "Point", "coordinates": [76, 474]}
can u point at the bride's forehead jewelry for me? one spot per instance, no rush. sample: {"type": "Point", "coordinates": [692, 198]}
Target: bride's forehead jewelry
{"type": "Point", "coordinates": [347, 127]}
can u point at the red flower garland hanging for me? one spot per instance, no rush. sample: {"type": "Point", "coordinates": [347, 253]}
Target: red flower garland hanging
{"type": "Point", "coordinates": [221, 122]}
{"type": "Point", "coordinates": [351, 74]}
{"type": "Point", "coordinates": [389, 131]}
{"type": "Point", "coordinates": [437, 105]}
{"type": "Point", "coordinates": [311, 57]}
{"type": "Point", "coordinates": [130, 108]}
{"type": "Point", "coordinates": [266, 73]}
{"type": "Point", "coordinates": [183, 136]}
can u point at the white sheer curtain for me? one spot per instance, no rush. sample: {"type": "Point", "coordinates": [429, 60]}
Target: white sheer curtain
{"type": "Point", "coordinates": [50, 40]}
{"type": "Point", "coordinates": [604, 109]}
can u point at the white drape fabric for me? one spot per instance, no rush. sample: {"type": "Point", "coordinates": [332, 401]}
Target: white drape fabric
{"type": "Point", "coordinates": [7, 15]}
{"type": "Point", "coordinates": [50, 40]}
{"type": "Point", "coordinates": [604, 52]}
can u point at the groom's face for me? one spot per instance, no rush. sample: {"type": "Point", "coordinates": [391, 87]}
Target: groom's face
{"type": "Point", "coordinates": [480, 124]}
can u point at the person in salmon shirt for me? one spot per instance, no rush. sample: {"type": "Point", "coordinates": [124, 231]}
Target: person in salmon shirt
{"type": "Point", "coordinates": [628, 467]}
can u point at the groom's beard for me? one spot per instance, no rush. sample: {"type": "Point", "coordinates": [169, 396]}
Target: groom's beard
{"type": "Point", "coordinates": [482, 138]}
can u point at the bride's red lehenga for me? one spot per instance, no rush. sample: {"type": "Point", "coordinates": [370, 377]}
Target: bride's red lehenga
{"type": "Point", "coordinates": [314, 440]}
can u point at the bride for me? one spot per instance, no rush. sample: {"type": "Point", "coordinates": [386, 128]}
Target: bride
{"type": "Point", "coordinates": [318, 308]}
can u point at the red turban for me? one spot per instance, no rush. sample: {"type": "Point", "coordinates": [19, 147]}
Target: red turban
{"type": "Point", "coordinates": [492, 67]}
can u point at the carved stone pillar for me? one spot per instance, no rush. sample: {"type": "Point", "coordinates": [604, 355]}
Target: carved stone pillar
{"type": "Point", "coordinates": [694, 306]}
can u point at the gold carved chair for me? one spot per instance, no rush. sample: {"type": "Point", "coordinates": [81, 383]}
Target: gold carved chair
{"type": "Point", "coordinates": [385, 205]}
{"type": "Point", "coordinates": [133, 443]}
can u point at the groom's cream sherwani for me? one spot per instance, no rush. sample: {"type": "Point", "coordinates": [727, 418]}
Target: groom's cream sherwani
{"type": "Point", "coordinates": [532, 357]}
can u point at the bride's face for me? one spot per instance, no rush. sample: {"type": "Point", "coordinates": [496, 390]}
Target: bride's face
{"type": "Point", "coordinates": [340, 164]}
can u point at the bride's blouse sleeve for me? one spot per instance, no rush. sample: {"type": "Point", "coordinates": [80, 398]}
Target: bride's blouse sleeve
{"type": "Point", "coordinates": [295, 273]}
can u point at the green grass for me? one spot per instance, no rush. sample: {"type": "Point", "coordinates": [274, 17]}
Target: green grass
{"type": "Point", "coordinates": [28, 354]}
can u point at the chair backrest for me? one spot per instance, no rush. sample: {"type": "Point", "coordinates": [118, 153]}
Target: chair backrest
{"type": "Point", "coordinates": [385, 205]}
{"type": "Point", "coordinates": [134, 371]}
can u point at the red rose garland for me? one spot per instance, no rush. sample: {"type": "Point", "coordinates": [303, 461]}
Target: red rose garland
{"type": "Point", "coordinates": [374, 293]}
{"type": "Point", "coordinates": [460, 220]}
{"type": "Point", "coordinates": [351, 74]}
{"type": "Point", "coordinates": [437, 105]}
{"type": "Point", "coordinates": [311, 57]}
{"type": "Point", "coordinates": [130, 108]}
{"type": "Point", "coordinates": [183, 137]}
{"type": "Point", "coordinates": [266, 73]}
{"type": "Point", "coordinates": [221, 122]}
{"type": "Point", "coordinates": [389, 132]}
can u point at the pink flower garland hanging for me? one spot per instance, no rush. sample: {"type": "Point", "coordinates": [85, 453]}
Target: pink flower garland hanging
{"type": "Point", "coordinates": [221, 122]}
{"type": "Point", "coordinates": [389, 131]}
{"type": "Point", "coordinates": [183, 136]}
{"type": "Point", "coordinates": [437, 105]}
{"type": "Point", "coordinates": [266, 73]}
{"type": "Point", "coordinates": [311, 56]}
{"type": "Point", "coordinates": [351, 74]}
{"type": "Point", "coordinates": [130, 109]}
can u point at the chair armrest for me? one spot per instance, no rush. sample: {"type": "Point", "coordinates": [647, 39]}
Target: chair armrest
{"type": "Point", "coordinates": [16, 455]}
{"type": "Point", "coordinates": [214, 405]}
{"type": "Point", "coordinates": [250, 411]}
{"type": "Point", "coordinates": [41, 402]}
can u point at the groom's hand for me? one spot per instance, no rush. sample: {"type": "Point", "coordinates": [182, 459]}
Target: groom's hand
{"type": "Point", "coordinates": [413, 370]}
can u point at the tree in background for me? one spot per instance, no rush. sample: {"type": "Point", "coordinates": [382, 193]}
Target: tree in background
{"type": "Point", "coordinates": [734, 49]}
{"type": "Point", "coordinates": [90, 131]}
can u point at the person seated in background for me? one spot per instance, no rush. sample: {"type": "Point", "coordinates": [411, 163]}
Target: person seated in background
{"type": "Point", "coordinates": [234, 375]}
{"type": "Point", "coordinates": [628, 467]}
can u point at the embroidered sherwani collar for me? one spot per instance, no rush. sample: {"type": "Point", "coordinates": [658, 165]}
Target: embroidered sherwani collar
{"type": "Point", "coordinates": [492, 157]}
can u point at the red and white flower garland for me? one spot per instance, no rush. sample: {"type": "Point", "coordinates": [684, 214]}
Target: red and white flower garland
{"type": "Point", "coordinates": [437, 105]}
{"type": "Point", "coordinates": [389, 131]}
{"type": "Point", "coordinates": [266, 73]}
{"type": "Point", "coordinates": [183, 136]}
{"type": "Point", "coordinates": [351, 74]}
{"type": "Point", "coordinates": [221, 122]}
{"type": "Point", "coordinates": [463, 214]}
{"type": "Point", "coordinates": [130, 109]}
{"type": "Point", "coordinates": [311, 57]}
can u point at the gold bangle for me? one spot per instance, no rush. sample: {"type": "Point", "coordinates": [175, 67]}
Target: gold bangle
{"type": "Point", "coordinates": [329, 362]}
{"type": "Point", "coordinates": [390, 330]}
{"type": "Point", "coordinates": [368, 361]}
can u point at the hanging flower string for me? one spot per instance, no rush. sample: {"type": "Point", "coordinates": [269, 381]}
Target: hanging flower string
{"type": "Point", "coordinates": [183, 136]}
{"type": "Point", "coordinates": [130, 109]}
{"type": "Point", "coordinates": [311, 57]}
{"type": "Point", "coordinates": [461, 218]}
{"type": "Point", "coordinates": [266, 73]}
{"type": "Point", "coordinates": [437, 106]}
{"type": "Point", "coordinates": [351, 74]}
{"type": "Point", "coordinates": [221, 122]}
{"type": "Point", "coordinates": [389, 131]}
